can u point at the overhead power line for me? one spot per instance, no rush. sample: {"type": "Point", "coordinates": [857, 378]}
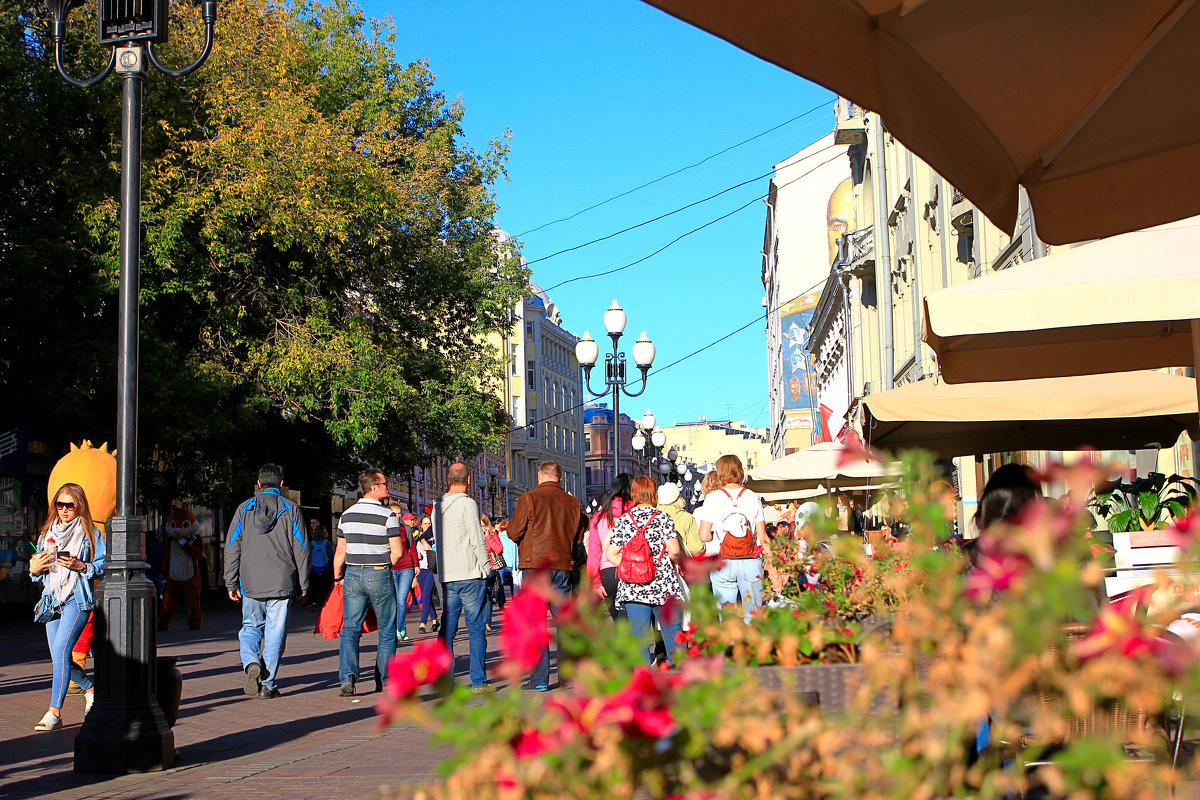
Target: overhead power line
{"type": "Point", "coordinates": [702, 161]}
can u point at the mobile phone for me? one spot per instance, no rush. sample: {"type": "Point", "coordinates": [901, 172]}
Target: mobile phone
{"type": "Point", "coordinates": [64, 554]}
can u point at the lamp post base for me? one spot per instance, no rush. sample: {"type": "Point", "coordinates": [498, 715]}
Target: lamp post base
{"type": "Point", "coordinates": [126, 730]}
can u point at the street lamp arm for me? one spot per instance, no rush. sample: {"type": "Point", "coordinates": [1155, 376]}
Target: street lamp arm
{"type": "Point", "coordinates": [587, 381]}
{"type": "Point", "coordinates": [639, 392]}
{"type": "Point", "coordinates": [86, 83]}
{"type": "Point", "coordinates": [209, 13]}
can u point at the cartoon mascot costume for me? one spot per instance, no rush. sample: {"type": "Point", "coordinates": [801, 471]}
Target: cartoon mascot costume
{"type": "Point", "coordinates": [181, 568]}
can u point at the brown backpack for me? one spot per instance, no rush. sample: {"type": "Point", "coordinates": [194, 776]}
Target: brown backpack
{"type": "Point", "coordinates": [739, 540]}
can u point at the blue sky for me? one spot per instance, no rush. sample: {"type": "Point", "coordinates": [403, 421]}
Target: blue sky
{"type": "Point", "coordinates": [601, 97]}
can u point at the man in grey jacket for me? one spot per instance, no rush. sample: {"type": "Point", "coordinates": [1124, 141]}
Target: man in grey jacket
{"type": "Point", "coordinates": [463, 568]}
{"type": "Point", "coordinates": [265, 554]}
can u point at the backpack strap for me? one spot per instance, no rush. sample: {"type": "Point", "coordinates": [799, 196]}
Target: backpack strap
{"type": "Point", "coordinates": [643, 528]}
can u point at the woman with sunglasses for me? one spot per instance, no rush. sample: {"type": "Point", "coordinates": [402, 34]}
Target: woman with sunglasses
{"type": "Point", "coordinates": [71, 554]}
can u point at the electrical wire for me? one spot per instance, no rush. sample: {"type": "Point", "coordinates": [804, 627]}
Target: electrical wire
{"type": "Point", "coordinates": [676, 172]}
{"type": "Point", "coordinates": [682, 236]}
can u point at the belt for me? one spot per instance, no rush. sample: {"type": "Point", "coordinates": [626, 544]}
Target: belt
{"type": "Point", "coordinates": [366, 566]}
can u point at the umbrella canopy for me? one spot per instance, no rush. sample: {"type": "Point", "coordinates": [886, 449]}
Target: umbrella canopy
{"type": "Point", "coordinates": [1116, 411]}
{"type": "Point", "coordinates": [1123, 303]}
{"type": "Point", "coordinates": [1077, 100]}
{"type": "Point", "coordinates": [817, 467]}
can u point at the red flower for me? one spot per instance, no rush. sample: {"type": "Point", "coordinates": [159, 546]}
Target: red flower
{"type": "Point", "coordinates": [1182, 531]}
{"type": "Point", "coordinates": [696, 569]}
{"type": "Point", "coordinates": [525, 632]}
{"type": "Point", "coordinates": [532, 743]}
{"type": "Point", "coordinates": [421, 666]}
{"type": "Point", "coordinates": [1117, 629]}
{"type": "Point", "coordinates": [994, 573]}
{"type": "Point", "coordinates": [829, 604]}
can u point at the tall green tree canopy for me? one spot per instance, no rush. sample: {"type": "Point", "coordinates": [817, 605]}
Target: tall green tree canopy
{"type": "Point", "coordinates": [320, 265]}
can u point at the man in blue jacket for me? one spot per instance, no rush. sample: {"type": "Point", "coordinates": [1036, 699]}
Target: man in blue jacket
{"type": "Point", "coordinates": [266, 553]}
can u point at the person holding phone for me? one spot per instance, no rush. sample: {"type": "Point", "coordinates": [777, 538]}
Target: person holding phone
{"type": "Point", "coordinates": [71, 554]}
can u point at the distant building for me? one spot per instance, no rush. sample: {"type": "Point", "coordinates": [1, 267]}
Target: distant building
{"type": "Point", "coordinates": [802, 220]}
{"type": "Point", "coordinates": [544, 399]}
{"type": "Point", "coordinates": [598, 449]}
{"type": "Point", "coordinates": [702, 443]}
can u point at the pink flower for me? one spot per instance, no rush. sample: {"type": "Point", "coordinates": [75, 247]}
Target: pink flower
{"type": "Point", "coordinates": [995, 572]}
{"type": "Point", "coordinates": [421, 666]}
{"type": "Point", "coordinates": [1116, 629]}
{"type": "Point", "coordinates": [532, 743]}
{"type": "Point", "coordinates": [1182, 532]}
{"type": "Point", "coordinates": [696, 569]}
{"type": "Point", "coordinates": [525, 633]}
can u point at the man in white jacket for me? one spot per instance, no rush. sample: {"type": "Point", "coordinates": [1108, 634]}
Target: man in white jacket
{"type": "Point", "coordinates": [462, 568]}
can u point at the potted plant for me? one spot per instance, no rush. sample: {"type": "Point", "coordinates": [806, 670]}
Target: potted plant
{"type": "Point", "coordinates": [1144, 504]}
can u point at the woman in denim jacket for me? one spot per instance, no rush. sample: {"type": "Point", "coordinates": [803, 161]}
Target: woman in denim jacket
{"type": "Point", "coordinates": [71, 554]}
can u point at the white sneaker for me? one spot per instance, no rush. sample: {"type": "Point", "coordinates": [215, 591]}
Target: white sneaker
{"type": "Point", "coordinates": [89, 698]}
{"type": "Point", "coordinates": [50, 722]}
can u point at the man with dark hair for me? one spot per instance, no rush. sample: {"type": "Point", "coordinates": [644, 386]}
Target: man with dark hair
{"type": "Point", "coordinates": [370, 542]}
{"type": "Point", "coordinates": [546, 525]}
{"type": "Point", "coordinates": [463, 568]}
{"type": "Point", "coordinates": [266, 553]}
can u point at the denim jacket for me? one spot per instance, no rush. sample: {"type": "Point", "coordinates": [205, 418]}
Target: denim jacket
{"type": "Point", "coordinates": [93, 568]}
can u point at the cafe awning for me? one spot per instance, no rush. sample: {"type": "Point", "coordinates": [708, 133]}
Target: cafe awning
{"type": "Point", "coordinates": [828, 465]}
{"type": "Point", "coordinates": [1114, 411]}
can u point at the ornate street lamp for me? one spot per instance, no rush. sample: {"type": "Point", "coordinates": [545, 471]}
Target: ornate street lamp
{"type": "Point", "coordinates": [492, 485]}
{"type": "Point", "coordinates": [126, 730]}
{"type": "Point", "coordinates": [587, 351]}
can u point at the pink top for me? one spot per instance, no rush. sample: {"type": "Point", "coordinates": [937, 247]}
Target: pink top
{"type": "Point", "coordinates": [598, 533]}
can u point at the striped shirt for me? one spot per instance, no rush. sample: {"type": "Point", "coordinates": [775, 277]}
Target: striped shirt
{"type": "Point", "coordinates": [366, 526]}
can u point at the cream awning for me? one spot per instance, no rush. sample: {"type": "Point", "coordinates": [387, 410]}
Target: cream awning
{"type": "Point", "coordinates": [1114, 411]}
{"type": "Point", "coordinates": [819, 467]}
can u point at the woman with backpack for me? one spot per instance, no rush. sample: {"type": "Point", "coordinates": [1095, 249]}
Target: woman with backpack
{"type": "Point", "coordinates": [733, 526]}
{"type": "Point", "coordinates": [602, 571]}
{"type": "Point", "coordinates": [644, 546]}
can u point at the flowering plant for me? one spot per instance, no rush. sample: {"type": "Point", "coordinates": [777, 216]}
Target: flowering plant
{"type": "Point", "coordinates": [989, 666]}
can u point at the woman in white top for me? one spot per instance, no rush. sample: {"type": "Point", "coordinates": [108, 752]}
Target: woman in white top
{"type": "Point", "coordinates": [732, 526]}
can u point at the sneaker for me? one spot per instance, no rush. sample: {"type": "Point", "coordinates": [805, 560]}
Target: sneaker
{"type": "Point", "coordinates": [50, 722]}
{"type": "Point", "coordinates": [89, 698]}
{"type": "Point", "coordinates": [486, 688]}
{"type": "Point", "coordinates": [347, 689]}
{"type": "Point", "coordinates": [253, 679]}
{"type": "Point", "coordinates": [267, 693]}
{"type": "Point", "coordinates": [421, 629]}
{"type": "Point", "coordinates": [402, 636]}
{"type": "Point", "coordinates": [434, 626]}
{"type": "Point", "coordinates": [529, 686]}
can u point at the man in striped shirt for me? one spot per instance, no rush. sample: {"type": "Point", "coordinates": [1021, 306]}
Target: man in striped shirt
{"type": "Point", "coordinates": [369, 543]}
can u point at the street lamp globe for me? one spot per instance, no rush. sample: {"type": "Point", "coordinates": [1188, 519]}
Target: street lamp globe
{"type": "Point", "coordinates": [649, 420]}
{"type": "Point", "coordinates": [587, 351]}
{"type": "Point", "coordinates": [687, 475]}
{"type": "Point", "coordinates": [664, 468]}
{"type": "Point", "coordinates": [658, 438]}
{"type": "Point", "coordinates": [643, 352]}
{"type": "Point", "coordinates": [638, 441]}
{"type": "Point", "coordinates": [614, 320]}
{"type": "Point", "coordinates": [503, 483]}
{"type": "Point", "coordinates": [493, 471]}
{"type": "Point", "coordinates": [672, 455]}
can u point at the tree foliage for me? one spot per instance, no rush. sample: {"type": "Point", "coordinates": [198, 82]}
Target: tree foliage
{"type": "Point", "coordinates": [319, 259]}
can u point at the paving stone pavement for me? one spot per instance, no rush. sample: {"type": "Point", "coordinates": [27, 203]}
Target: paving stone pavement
{"type": "Point", "coordinates": [307, 743]}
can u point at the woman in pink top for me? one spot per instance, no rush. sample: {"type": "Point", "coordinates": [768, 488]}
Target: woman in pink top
{"type": "Point", "coordinates": [603, 571]}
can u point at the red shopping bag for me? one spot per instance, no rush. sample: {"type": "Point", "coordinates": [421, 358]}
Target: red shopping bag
{"type": "Point", "coordinates": [329, 621]}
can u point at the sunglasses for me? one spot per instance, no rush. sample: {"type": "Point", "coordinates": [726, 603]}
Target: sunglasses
{"type": "Point", "coordinates": [60, 505]}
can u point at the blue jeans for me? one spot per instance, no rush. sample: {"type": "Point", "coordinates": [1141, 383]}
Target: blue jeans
{"type": "Point", "coordinates": [264, 627]}
{"type": "Point", "coordinates": [739, 575]}
{"type": "Point", "coordinates": [61, 634]}
{"type": "Point", "coordinates": [427, 580]}
{"type": "Point", "coordinates": [494, 592]}
{"type": "Point", "coordinates": [364, 585]}
{"type": "Point", "coordinates": [560, 581]}
{"type": "Point", "coordinates": [403, 578]}
{"type": "Point", "coordinates": [640, 618]}
{"type": "Point", "coordinates": [466, 597]}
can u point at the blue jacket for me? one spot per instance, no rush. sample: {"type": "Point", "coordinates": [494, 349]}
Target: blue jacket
{"type": "Point", "coordinates": [93, 568]}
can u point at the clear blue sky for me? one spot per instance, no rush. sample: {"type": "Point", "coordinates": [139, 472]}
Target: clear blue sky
{"type": "Point", "coordinates": [601, 97]}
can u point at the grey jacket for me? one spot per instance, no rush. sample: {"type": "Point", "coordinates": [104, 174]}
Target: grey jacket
{"type": "Point", "coordinates": [461, 552]}
{"type": "Point", "coordinates": [267, 550]}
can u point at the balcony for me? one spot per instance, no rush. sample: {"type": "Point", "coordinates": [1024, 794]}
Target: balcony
{"type": "Point", "coordinates": [857, 252]}
{"type": "Point", "coordinates": [850, 126]}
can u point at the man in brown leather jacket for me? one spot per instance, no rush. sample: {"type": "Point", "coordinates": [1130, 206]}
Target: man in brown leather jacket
{"type": "Point", "coordinates": [546, 525]}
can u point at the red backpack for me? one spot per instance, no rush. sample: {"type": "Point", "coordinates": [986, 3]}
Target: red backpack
{"type": "Point", "coordinates": [739, 540]}
{"type": "Point", "coordinates": [637, 558]}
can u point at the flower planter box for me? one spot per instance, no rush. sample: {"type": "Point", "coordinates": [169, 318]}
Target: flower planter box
{"type": "Point", "coordinates": [831, 686]}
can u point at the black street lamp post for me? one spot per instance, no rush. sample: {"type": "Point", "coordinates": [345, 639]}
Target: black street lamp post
{"type": "Point", "coordinates": [126, 730]}
{"type": "Point", "coordinates": [587, 352]}
{"type": "Point", "coordinates": [496, 485]}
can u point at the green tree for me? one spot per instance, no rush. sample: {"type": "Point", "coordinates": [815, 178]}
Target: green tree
{"type": "Point", "coordinates": [320, 268]}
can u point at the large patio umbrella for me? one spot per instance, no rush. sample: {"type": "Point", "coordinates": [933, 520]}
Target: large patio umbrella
{"type": "Point", "coordinates": [1128, 302]}
{"type": "Point", "coordinates": [1080, 101]}
{"type": "Point", "coordinates": [1116, 411]}
{"type": "Point", "coordinates": [819, 467]}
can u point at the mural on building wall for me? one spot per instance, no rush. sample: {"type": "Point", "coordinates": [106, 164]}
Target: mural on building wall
{"type": "Point", "coordinates": [799, 381]}
{"type": "Point", "coordinates": [834, 402]}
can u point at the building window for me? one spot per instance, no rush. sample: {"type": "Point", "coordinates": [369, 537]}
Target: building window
{"type": "Point", "coordinates": [512, 356]}
{"type": "Point", "coordinates": [529, 331]}
{"type": "Point", "coordinates": [549, 396]}
{"type": "Point", "coordinates": [587, 441]}
{"type": "Point", "coordinates": [531, 379]}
